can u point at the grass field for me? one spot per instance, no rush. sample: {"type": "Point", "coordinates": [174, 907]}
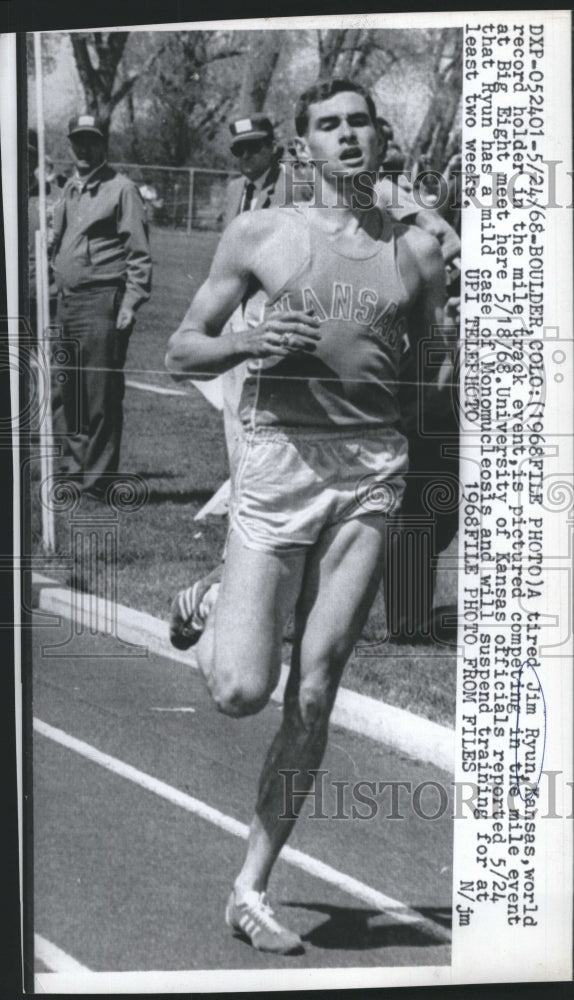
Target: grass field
{"type": "Point", "coordinates": [175, 444]}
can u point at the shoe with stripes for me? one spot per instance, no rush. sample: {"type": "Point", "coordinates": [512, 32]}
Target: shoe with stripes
{"type": "Point", "coordinates": [253, 918]}
{"type": "Point", "coordinates": [189, 612]}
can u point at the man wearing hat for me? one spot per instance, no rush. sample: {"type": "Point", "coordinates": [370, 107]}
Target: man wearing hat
{"type": "Point", "coordinates": [102, 266]}
{"type": "Point", "coordinates": [262, 185]}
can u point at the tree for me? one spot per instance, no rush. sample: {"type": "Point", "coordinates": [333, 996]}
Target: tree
{"type": "Point", "coordinates": [435, 136]}
{"type": "Point", "coordinates": [98, 55]}
{"type": "Point", "coordinates": [330, 44]}
{"type": "Point", "coordinates": [264, 52]}
{"type": "Point", "coordinates": [358, 54]}
{"type": "Point", "coordinates": [173, 93]}
{"type": "Point", "coordinates": [49, 48]}
{"type": "Point", "coordinates": [190, 93]}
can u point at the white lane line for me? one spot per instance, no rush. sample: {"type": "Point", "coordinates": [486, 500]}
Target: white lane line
{"type": "Point", "coordinates": [155, 388]}
{"type": "Point", "coordinates": [186, 709]}
{"type": "Point", "coordinates": [244, 981]}
{"type": "Point", "coordinates": [210, 389]}
{"type": "Point", "coordinates": [306, 862]}
{"type": "Point", "coordinates": [56, 959]}
{"type": "Point", "coordinates": [394, 727]}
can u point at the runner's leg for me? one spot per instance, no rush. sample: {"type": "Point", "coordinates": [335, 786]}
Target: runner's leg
{"type": "Point", "coordinates": [341, 577]}
{"type": "Point", "coordinates": [239, 652]}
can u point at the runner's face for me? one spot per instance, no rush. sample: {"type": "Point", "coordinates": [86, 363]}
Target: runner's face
{"type": "Point", "coordinates": [88, 150]}
{"type": "Point", "coordinates": [342, 134]}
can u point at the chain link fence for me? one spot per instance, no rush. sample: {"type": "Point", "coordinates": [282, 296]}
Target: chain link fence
{"type": "Point", "coordinates": [182, 198]}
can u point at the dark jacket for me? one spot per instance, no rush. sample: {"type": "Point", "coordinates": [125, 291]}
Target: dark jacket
{"type": "Point", "coordinates": [272, 192]}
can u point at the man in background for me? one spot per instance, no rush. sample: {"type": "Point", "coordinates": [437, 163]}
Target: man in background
{"type": "Point", "coordinates": [102, 267]}
{"type": "Point", "coordinates": [261, 184]}
{"type": "Point", "coordinates": [395, 192]}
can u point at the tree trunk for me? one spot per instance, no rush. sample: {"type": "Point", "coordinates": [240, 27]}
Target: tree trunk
{"type": "Point", "coordinates": [432, 139]}
{"type": "Point", "coordinates": [258, 73]}
{"type": "Point", "coordinates": [97, 55]}
{"type": "Point", "coordinates": [346, 61]}
{"type": "Point", "coordinates": [135, 147]}
{"type": "Point", "coordinates": [330, 43]}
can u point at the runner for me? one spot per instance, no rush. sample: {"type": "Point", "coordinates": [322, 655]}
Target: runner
{"type": "Point", "coordinates": [323, 458]}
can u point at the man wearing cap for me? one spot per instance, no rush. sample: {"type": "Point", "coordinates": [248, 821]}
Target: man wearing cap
{"type": "Point", "coordinates": [102, 267]}
{"type": "Point", "coordinates": [262, 185]}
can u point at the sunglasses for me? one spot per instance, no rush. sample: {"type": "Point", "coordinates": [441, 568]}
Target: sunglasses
{"type": "Point", "coordinates": [252, 147]}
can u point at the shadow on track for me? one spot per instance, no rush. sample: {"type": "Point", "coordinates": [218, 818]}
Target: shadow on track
{"type": "Point", "coordinates": [184, 497]}
{"type": "Point", "coordinates": [351, 928]}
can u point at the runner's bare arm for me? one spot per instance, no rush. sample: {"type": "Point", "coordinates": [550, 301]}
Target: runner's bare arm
{"type": "Point", "coordinates": [196, 347]}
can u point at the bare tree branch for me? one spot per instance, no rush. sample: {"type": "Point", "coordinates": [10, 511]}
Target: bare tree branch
{"type": "Point", "coordinates": [125, 87]}
{"type": "Point", "coordinates": [129, 83]}
{"type": "Point", "coordinates": [225, 55]}
{"type": "Point", "coordinates": [86, 71]}
{"type": "Point", "coordinates": [259, 70]}
{"type": "Point", "coordinates": [330, 43]}
{"type": "Point", "coordinates": [117, 42]}
{"type": "Point", "coordinates": [432, 139]}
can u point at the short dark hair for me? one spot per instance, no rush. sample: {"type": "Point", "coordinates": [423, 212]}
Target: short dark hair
{"type": "Point", "coordinates": [322, 91]}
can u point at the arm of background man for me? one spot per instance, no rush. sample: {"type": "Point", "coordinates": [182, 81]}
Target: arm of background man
{"type": "Point", "coordinates": [434, 224]}
{"type": "Point", "coordinates": [433, 335]}
{"type": "Point", "coordinates": [59, 222]}
{"type": "Point", "coordinates": [133, 231]}
{"type": "Point", "coordinates": [232, 200]}
{"type": "Point", "coordinates": [196, 346]}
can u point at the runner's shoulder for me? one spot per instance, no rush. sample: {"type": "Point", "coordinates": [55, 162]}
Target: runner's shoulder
{"type": "Point", "coordinates": [254, 231]}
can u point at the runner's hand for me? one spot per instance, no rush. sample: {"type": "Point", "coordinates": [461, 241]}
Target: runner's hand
{"type": "Point", "coordinates": [281, 334]}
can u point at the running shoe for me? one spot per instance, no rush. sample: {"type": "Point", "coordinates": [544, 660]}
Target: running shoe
{"type": "Point", "coordinates": [254, 920]}
{"type": "Point", "coordinates": [189, 612]}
